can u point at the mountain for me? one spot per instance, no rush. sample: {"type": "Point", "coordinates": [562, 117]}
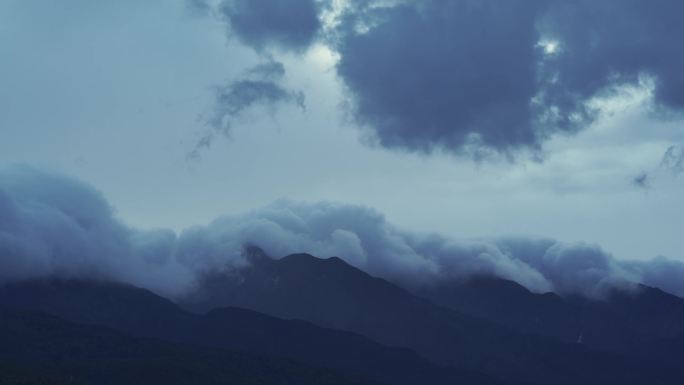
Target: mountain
{"type": "Point", "coordinates": [333, 294]}
{"type": "Point", "coordinates": [14, 375]}
{"type": "Point", "coordinates": [620, 322]}
{"type": "Point", "coordinates": [141, 313]}
{"type": "Point", "coordinates": [44, 349]}
{"type": "Point", "coordinates": [339, 317]}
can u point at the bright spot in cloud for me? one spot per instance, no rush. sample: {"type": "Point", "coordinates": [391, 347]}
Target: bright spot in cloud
{"type": "Point", "coordinates": [550, 47]}
{"type": "Point", "coordinates": [323, 56]}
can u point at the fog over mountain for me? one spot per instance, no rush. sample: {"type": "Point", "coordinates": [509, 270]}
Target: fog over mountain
{"type": "Point", "coordinates": [54, 225]}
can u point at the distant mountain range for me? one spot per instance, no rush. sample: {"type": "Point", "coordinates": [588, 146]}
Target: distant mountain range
{"type": "Point", "coordinates": [623, 321]}
{"type": "Point", "coordinates": [140, 313]}
{"type": "Point", "coordinates": [324, 319]}
{"type": "Point", "coordinates": [57, 351]}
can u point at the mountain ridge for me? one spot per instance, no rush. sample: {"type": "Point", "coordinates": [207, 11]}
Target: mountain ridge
{"type": "Point", "coordinates": [46, 345]}
{"type": "Point", "coordinates": [234, 328]}
{"type": "Point", "coordinates": [618, 322]}
{"type": "Point", "coordinates": [331, 293]}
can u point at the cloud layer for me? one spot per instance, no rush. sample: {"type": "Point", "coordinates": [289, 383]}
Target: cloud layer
{"type": "Point", "coordinates": [52, 225]}
{"type": "Point", "coordinates": [56, 226]}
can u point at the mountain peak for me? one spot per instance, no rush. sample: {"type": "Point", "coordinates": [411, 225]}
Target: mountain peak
{"type": "Point", "coordinates": [300, 257]}
{"type": "Point", "coordinates": [308, 258]}
{"type": "Point", "coordinates": [255, 254]}
{"type": "Point", "coordinates": [337, 260]}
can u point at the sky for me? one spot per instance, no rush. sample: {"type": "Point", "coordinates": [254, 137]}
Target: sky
{"type": "Point", "coordinates": [469, 119]}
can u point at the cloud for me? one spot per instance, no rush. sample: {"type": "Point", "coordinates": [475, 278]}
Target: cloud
{"type": "Point", "coordinates": [260, 86]}
{"type": "Point", "coordinates": [479, 78]}
{"type": "Point", "coordinates": [236, 97]}
{"type": "Point", "coordinates": [458, 75]}
{"type": "Point", "coordinates": [261, 24]}
{"type": "Point", "coordinates": [673, 160]}
{"type": "Point", "coordinates": [571, 268]}
{"type": "Point", "coordinates": [446, 75]}
{"type": "Point", "coordinates": [271, 70]}
{"type": "Point", "coordinates": [199, 6]}
{"type": "Point", "coordinates": [671, 163]}
{"type": "Point", "coordinates": [615, 42]}
{"type": "Point", "coordinates": [52, 225]}
{"type": "Point", "coordinates": [643, 180]}
{"type": "Point", "coordinates": [661, 272]}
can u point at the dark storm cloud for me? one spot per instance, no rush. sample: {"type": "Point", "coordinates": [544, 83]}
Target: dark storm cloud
{"type": "Point", "coordinates": [261, 86]}
{"type": "Point", "coordinates": [603, 44]}
{"type": "Point", "coordinates": [479, 77]}
{"type": "Point", "coordinates": [444, 74]}
{"type": "Point", "coordinates": [290, 24]}
{"type": "Point", "coordinates": [52, 225]}
{"type": "Point", "coordinates": [458, 75]}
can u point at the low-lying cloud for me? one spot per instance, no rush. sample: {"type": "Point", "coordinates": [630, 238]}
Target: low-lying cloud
{"type": "Point", "coordinates": [51, 225]}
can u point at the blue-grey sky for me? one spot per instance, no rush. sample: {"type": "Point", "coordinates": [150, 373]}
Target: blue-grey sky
{"type": "Point", "coordinates": [535, 118]}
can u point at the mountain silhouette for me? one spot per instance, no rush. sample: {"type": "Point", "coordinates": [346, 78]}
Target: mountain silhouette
{"type": "Point", "coordinates": [621, 321]}
{"type": "Point", "coordinates": [143, 314]}
{"type": "Point", "coordinates": [44, 349]}
{"type": "Point", "coordinates": [333, 294]}
{"type": "Point", "coordinates": [326, 313]}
